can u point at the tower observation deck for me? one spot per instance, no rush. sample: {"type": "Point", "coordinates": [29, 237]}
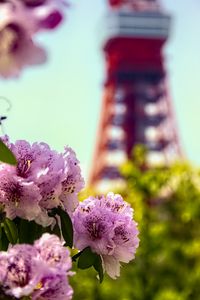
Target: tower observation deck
{"type": "Point", "coordinates": [136, 107]}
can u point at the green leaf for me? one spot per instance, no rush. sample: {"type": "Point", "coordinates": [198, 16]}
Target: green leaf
{"type": "Point", "coordinates": [98, 267]}
{"type": "Point", "coordinates": [29, 231]}
{"type": "Point", "coordinates": [2, 214]}
{"type": "Point", "coordinates": [77, 255]}
{"type": "Point", "coordinates": [10, 231]}
{"type": "Point", "coordinates": [86, 259]}
{"type": "Point", "coordinates": [6, 155]}
{"type": "Point", "coordinates": [24, 233]}
{"type": "Point", "coordinates": [4, 242]}
{"type": "Point", "coordinates": [66, 226]}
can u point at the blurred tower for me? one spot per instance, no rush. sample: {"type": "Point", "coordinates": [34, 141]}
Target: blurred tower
{"type": "Point", "coordinates": [136, 106]}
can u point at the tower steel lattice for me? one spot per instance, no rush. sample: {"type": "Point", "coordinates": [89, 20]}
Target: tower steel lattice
{"type": "Point", "coordinates": [136, 106]}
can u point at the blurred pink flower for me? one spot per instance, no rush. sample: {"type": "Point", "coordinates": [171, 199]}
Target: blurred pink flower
{"type": "Point", "coordinates": [19, 22]}
{"type": "Point", "coordinates": [45, 14]}
{"type": "Point", "coordinates": [18, 52]}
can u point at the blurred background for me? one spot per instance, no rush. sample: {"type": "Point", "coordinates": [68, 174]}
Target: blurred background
{"type": "Point", "coordinates": [60, 102]}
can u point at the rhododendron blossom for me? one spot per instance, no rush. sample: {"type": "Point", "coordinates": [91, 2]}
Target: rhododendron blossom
{"type": "Point", "coordinates": [51, 250]}
{"type": "Point", "coordinates": [43, 187]}
{"type": "Point", "coordinates": [47, 13]}
{"type": "Point", "coordinates": [19, 197]}
{"type": "Point", "coordinates": [42, 180]}
{"type": "Point", "coordinates": [34, 271]}
{"type": "Point", "coordinates": [19, 22]}
{"type": "Point", "coordinates": [17, 48]}
{"type": "Point", "coordinates": [105, 224]}
{"type": "Point", "coordinates": [35, 15]}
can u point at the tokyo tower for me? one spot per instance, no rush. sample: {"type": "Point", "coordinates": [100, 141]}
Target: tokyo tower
{"type": "Point", "coordinates": [136, 106]}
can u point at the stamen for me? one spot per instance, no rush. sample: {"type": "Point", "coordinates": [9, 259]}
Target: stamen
{"type": "Point", "coordinates": [39, 286]}
{"type": "Point", "coordinates": [28, 164]}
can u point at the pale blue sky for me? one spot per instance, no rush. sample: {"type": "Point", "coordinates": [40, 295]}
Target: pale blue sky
{"type": "Point", "coordinates": [60, 102]}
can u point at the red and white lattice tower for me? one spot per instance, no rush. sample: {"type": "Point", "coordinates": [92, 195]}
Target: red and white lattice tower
{"type": "Point", "coordinates": [136, 106]}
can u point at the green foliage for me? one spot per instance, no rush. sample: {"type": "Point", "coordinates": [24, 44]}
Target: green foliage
{"type": "Point", "coordinates": [11, 231]}
{"type": "Point", "coordinates": [66, 226]}
{"type": "Point", "coordinates": [3, 239]}
{"type": "Point", "coordinates": [6, 155]}
{"type": "Point", "coordinates": [29, 231]}
{"type": "Point", "coordinates": [87, 258]}
{"type": "Point", "coordinates": [166, 201]}
{"type": "Point", "coordinates": [24, 231]}
{"type": "Point", "coordinates": [98, 267]}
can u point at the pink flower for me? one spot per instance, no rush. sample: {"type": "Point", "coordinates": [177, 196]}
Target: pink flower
{"type": "Point", "coordinates": [19, 22]}
{"type": "Point", "coordinates": [42, 180]}
{"type": "Point", "coordinates": [55, 286]}
{"type": "Point", "coordinates": [20, 198]}
{"type": "Point", "coordinates": [105, 224]}
{"type": "Point", "coordinates": [73, 181]}
{"type": "Point", "coordinates": [35, 271]}
{"type": "Point", "coordinates": [52, 251]}
{"type": "Point", "coordinates": [17, 50]}
{"type": "Point", "coordinates": [20, 270]}
{"type": "Point", "coordinates": [47, 14]}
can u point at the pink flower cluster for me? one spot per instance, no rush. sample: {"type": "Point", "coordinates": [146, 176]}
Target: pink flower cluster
{"type": "Point", "coordinates": [20, 20]}
{"type": "Point", "coordinates": [42, 180]}
{"type": "Point", "coordinates": [40, 271]}
{"type": "Point", "coordinates": [106, 225]}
